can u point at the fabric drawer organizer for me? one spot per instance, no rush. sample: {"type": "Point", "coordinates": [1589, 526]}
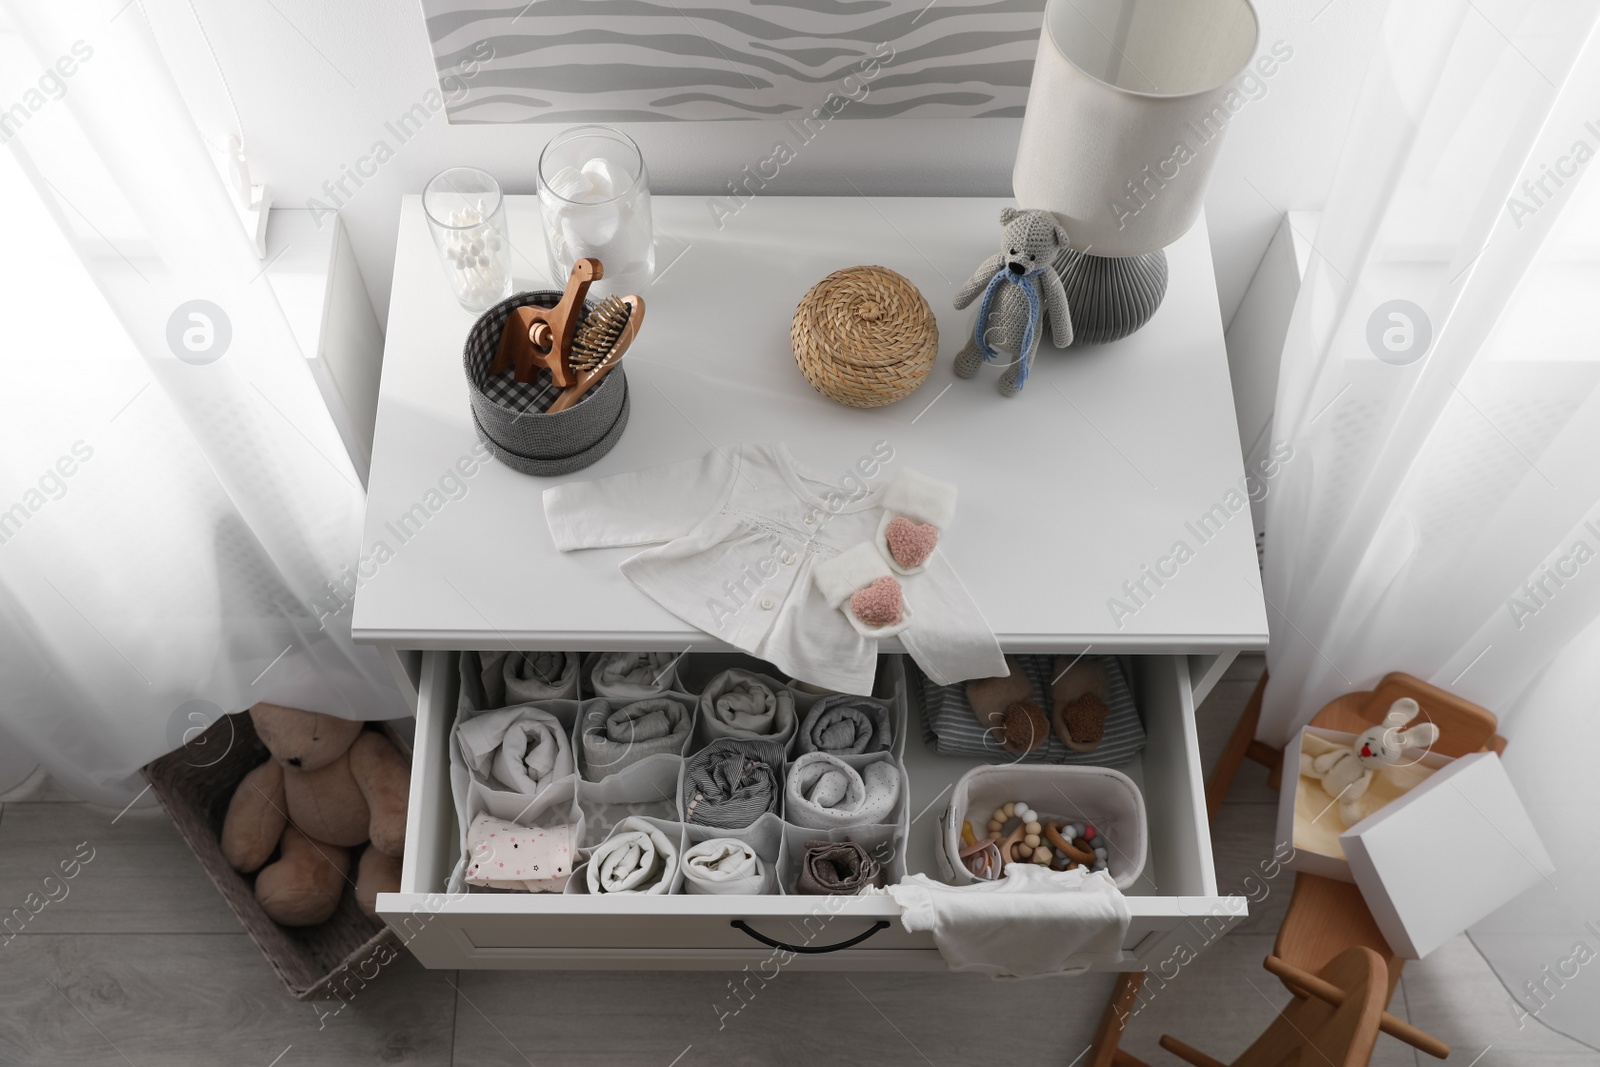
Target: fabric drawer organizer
{"type": "Point", "coordinates": [950, 728]}
{"type": "Point", "coordinates": [605, 797]}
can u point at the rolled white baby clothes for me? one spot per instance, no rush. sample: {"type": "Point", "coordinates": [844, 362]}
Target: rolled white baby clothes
{"type": "Point", "coordinates": [725, 865]}
{"type": "Point", "coordinates": [823, 792]}
{"type": "Point", "coordinates": [636, 858]}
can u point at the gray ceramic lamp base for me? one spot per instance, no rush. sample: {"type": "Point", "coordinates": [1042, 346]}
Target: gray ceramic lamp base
{"type": "Point", "coordinates": [1111, 297]}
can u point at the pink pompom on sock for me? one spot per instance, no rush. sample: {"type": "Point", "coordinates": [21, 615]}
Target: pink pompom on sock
{"type": "Point", "coordinates": [879, 603]}
{"type": "Point", "coordinates": [910, 543]}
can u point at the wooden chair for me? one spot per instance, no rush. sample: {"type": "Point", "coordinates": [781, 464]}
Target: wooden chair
{"type": "Point", "coordinates": [1336, 1014]}
{"type": "Point", "coordinates": [1325, 917]}
{"type": "Point", "coordinates": [1464, 728]}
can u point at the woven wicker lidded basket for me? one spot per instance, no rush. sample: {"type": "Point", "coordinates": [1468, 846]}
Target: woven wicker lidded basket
{"type": "Point", "coordinates": [864, 336]}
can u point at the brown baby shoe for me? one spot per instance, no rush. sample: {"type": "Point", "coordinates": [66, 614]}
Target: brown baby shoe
{"type": "Point", "coordinates": [990, 697]}
{"type": "Point", "coordinates": [1079, 694]}
{"type": "Point", "coordinates": [1025, 728]}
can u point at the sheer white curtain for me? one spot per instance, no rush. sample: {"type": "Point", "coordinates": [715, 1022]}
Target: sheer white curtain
{"type": "Point", "coordinates": [167, 524]}
{"type": "Point", "coordinates": [1441, 515]}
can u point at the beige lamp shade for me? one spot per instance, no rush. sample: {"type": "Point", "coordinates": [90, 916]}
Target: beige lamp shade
{"type": "Point", "coordinates": [1126, 114]}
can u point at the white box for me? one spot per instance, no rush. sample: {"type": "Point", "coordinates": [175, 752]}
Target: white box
{"type": "Point", "coordinates": [1315, 834]}
{"type": "Point", "coordinates": [1445, 855]}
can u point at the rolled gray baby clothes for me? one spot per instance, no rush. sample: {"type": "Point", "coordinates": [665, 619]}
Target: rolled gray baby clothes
{"type": "Point", "coordinates": [836, 868]}
{"type": "Point", "coordinates": [744, 704]}
{"type": "Point", "coordinates": [731, 782]}
{"type": "Point", "coordinates": [518, 677]}
{"type": "Point", "coordinates": [846, 725]}
{"type": "Point", "coordinates": [633, 675]}
{"type": "Point", "coordinates": [613, 740]}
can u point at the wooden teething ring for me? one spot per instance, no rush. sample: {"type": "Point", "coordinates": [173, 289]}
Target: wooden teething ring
{"type": "Point", "coordinates": [1052, 832]}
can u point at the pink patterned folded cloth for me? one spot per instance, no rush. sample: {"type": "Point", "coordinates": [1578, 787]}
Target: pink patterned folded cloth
{"type": "Point", "coordinates": [503, 855]}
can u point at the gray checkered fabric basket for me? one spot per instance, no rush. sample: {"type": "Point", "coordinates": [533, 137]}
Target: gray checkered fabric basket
{"type": "Point", "coordinates": [510, 418]}
{"type": "Point", "coordinates": [950, 728]}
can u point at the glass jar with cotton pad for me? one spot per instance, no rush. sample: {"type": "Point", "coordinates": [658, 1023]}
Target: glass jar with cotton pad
{"type": "Point", "coordinates": [594, 197]}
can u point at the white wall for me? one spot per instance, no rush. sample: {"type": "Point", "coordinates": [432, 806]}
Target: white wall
{"type": "Point", "coordinates": [315, 84]}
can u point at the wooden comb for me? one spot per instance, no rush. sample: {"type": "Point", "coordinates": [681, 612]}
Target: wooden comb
{"type": "Point", "coordinates": [604, 338]}
{"type": "Point", "coordinates": [542, 337]}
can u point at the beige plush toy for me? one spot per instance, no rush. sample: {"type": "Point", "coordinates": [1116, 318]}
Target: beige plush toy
{"type": "Point", "coordinates": [1347, 773]}
{"type": "Point", "coordinates": [330, 786]}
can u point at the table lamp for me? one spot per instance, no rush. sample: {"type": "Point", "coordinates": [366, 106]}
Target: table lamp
{"type": "Point", "coordinates": [1126, 114]}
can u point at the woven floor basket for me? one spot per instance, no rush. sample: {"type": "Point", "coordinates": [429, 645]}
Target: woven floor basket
{"type": "Point", "coordinates": [864, 336]}
{"type": "Point", "coordinates": [195, 784]}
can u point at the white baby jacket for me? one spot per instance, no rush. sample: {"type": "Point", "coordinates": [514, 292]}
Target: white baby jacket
{"type": "Point", "coordinates": [744, 531]}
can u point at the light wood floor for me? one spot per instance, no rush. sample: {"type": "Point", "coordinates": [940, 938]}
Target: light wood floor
{"type": "Point", "coordinates": [141, 964]}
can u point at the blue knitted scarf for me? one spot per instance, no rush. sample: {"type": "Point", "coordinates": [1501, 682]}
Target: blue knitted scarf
{"type": "Point", "coordinates": [1026, 283]}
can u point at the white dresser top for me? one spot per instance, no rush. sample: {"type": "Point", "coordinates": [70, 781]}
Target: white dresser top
{"type": "Point", "coordinates": [1067, 491]}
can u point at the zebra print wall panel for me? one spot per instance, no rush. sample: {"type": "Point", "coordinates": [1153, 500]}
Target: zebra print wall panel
{"type": "Point", "coordinates": [659, 60]}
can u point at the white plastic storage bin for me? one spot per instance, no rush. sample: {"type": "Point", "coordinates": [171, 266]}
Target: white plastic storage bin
{"type": "Point", "coordinates": [1102, 796]}
{"type": "Point", "coordinates": [1176, 908]}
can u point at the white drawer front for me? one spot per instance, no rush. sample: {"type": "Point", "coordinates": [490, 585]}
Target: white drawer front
{"type": "Point", "coordinates": [1175, 905]}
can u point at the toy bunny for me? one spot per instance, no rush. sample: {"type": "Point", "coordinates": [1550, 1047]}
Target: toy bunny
{"type": "Point", "coordinates": [1346, 774]}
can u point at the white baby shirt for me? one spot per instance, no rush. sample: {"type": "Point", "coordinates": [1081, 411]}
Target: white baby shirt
{"type": "Point", "coordinates": [743, 532]}
{"type": "Point", "coordinates": [1031, 923]}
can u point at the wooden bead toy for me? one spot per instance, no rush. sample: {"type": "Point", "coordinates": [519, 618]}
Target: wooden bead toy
{"type": "Point", "coordinates": [1017, 833]}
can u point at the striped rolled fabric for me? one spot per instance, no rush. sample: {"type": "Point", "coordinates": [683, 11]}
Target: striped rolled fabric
{"type": "Point", "coordinates": [731, 783]}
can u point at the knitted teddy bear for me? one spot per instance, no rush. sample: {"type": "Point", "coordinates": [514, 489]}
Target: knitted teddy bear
{"type": "Point", "coordinates": [1347, 773]}
{"type": "Point", "coordinates": [329, 786]}
{"type": "Point", "coordinates": [1020, 290]}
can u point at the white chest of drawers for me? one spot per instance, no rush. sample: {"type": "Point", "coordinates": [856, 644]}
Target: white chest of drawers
{"type": "Point", "coordinates": [1074, 495]}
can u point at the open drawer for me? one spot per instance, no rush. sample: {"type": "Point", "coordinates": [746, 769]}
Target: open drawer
{"type": "Point", "coordinates": [1175, 906]}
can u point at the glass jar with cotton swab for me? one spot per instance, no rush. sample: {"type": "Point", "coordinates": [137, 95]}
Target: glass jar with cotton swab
{"type": "Point", "coordinates": [467, 217]}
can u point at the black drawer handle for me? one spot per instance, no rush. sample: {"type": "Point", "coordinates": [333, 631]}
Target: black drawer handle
{"type": "Point", "coordinates": [740, 924]}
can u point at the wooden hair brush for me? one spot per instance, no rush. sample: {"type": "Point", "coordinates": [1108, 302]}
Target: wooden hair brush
{"type": "Point", "coordinates": [599, 344]}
